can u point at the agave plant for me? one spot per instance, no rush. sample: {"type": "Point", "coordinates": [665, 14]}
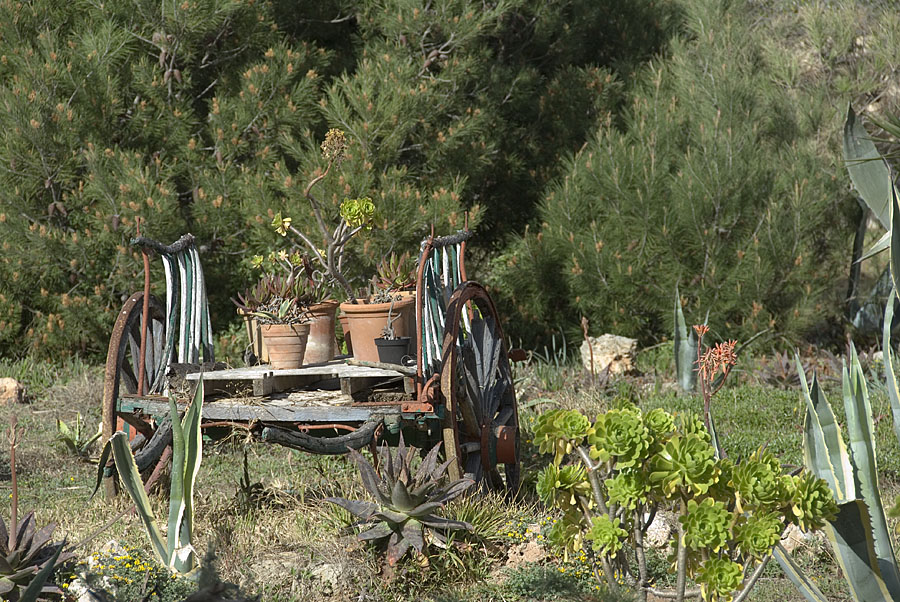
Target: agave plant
{"type": "Point", "coordinates": [27, 556]}
{"type": "Point", "coordinates": [174, 551]}
{"type": "Point", "coordinates": [405, 500]}
{"type": "Point", "coordinates": [24, 554]}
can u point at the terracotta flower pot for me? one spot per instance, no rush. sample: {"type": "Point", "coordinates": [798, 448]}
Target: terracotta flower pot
{"type": "Point", "coordinates": [366, 321]}
{"type": "Point", "coordinates": [257, 345]}
{"type": "Point", "coordinates": [286, 344]}
{"type": "Point", "coordinates": [320, 347]}
{"type": "Point", "coordinates": [345, 328]}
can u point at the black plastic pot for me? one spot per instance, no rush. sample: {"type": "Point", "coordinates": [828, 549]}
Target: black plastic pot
{"type": "Point", "coordinates": [392, 351]}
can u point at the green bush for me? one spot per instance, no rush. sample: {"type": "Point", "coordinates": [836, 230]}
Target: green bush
{"type": "Point", "coordinates": [206, 116]}
{"type": "Point", "coordinates": [714, 179]}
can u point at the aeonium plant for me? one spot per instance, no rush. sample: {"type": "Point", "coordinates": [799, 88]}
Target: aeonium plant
{"type": "Point", "coordinates": [287, 287]}
{"type": "Point", "coordinates": [610, 479]}
{"type": "Point", "coordinates": [354, 216]}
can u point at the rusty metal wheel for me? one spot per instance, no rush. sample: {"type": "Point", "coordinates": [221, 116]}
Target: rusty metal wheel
{"type": "Point", "coordinates": [481, 421]}
{"type": "Point", "coordinates": [123, 366]}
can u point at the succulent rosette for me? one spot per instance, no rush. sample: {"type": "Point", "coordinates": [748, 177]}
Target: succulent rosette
{"type": "Point", "coordinates": [689, 423]}
{"type": "Point", "coordinates": [620, 434]}
{"type": "Point", "coordinates": [567, 533]}
{"type": "Point", "coordinates": [756, 534]}
{"type": "Point", "coordinates": [686, 462]}
{"type": "Point", "coordinates": [557, 431]}
{"type": "Point", "coordinates": [707, 525]}
{"type": "Point", "coordinates": [628, 488]}
{"type": "Point", "coordinates": [812, 502]}
{"type": "Point", "coordinates": [719, 578]}
{"type": "Point", "coordinates": [660, 423]}
{"type": "Point", "coordinates": [562, 484]}
{"type": "Point", "coordinates": [606, 536]}
{"type": "Point", "coordinates": [758, 484]}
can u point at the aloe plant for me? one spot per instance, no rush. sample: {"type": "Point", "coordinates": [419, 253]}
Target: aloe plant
{"type": "Point", "coordinates": [175, 551]}
{"type": "Point", "coordinates": [405, 500]}
{"type": "Point", "coordinates": [27, 556]}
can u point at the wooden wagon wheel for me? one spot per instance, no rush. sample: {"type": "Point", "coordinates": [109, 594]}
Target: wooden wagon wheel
{"type": "Point", "coordinates": [481, 421]}
{"type": "Point", "coordinates": [123, 362]}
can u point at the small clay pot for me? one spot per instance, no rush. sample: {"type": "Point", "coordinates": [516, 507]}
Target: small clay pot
{"type": "Point", "coordinates": [320, 346]}
{"type": "Point", "coordinates": [286, 344]}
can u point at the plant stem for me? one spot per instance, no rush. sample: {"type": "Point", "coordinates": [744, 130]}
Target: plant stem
{"type": "Point", "coordinates": [752, 580]}
{"type": "Point", "coordinates": [639, 551]}
{"type": "Point", "coordinates": [14, 507]}
{"type": "Point", "coordinates": [681, 563]}
{"type": "Point", "coordinates": [593, 478]}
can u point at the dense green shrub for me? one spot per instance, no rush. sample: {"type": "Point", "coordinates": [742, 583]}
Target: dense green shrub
{"type": "Point", "coordinates": [206, 116]}
{"type": "Point", "coordinates": [713, 179]}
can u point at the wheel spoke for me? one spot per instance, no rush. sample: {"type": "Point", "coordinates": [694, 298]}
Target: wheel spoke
{"type": "Point", "coordinates": [127, 378]}
{"type": "Point", "coordinates": [479, 388]}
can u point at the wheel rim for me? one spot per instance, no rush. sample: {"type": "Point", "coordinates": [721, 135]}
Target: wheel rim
{"type": "Point", "coordinates": [481, 419]}
{"type": "Point", "coordinates": [123, 361]}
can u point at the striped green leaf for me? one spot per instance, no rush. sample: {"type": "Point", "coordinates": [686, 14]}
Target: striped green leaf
{"type": "Point", "coordinates": [803, 583]}
{"type": "Point", "coordinates": [895, 239]}
{"type": "Point", "coordinates": [176, 485]}
{"type": "Point", "coordinates": [131, 481]}
{"type": "Point", "coordinates": [685, 350]}
{"type": "Point", "coordinates": [861, 428]}
{"type": "Point", "coordinates": [193, 454]}
{"type": "Point", "coordinates": [868, 170]}
{"type": "Point", "coordinates": [889, 378]}
{"type": "Point", "coordinates": [823, 447]}
{"type": "Point", "coordinates": [850, 534]}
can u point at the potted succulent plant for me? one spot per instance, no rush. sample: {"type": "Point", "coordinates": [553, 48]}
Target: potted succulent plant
{"type": "Point", "coordinates": [280, 306]}
{"type": "Point", "coordinates": [387, 308]}
{"type": "Point", "coordinates": [391, 348]}
{"type": "Point", "coordinates": [354, 216]}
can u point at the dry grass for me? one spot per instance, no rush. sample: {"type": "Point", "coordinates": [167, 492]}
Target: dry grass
{"type": "Point", "coordinates": [276, 537]}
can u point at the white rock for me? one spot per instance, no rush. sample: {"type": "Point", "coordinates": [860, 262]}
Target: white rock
{"type": "Point", "coordinates": [11, 391]}
{"type": "Point", "coordinates": [661, 531]}
{"type": "Point", "coordinates": [609, 350]}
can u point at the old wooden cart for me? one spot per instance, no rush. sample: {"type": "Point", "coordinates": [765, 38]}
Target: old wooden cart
{"type": "Point", "coordinates": [460, 390]}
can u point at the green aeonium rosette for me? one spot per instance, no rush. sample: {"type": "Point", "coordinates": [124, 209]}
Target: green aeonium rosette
{"type": "Point", "coordinates": [690, 423]}
{"type": "Point", "coordinates": [660, 423]}
{"type": "Point", "coordinates": [812, 502]}
{"type": "Point", "coordinates": [561, 485]}
{"type": "Point", "coordinates": [557, 431]}
{"type": "Point", "coordinates": [756, 534]}
{"type": "Point", "coordinates": [719, 578]}
{"type": "Point", "coordinates": [606, 536]}
{"type": "Point", "coordinates": [622, 435]}
{"type": "Point", "coordinates": [758, 483]}
{"type": "Point", "coordinates": [628, 488]}
{"type": "Point", "coordinates": [707, 525]}
{"type": "Point", "coordinates": [685, 462]}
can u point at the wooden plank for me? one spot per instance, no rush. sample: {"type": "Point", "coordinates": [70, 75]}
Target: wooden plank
{"type": "Point", "coordinates": [333, 369]}
{"type": "Point", "coordinates": [262, 380]}
{"type": "Point", "coordinates": [330, 406]}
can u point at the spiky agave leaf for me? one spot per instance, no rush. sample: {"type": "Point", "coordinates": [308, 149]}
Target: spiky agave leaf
{"type": "Point", "coordinates": [359, 508]}
{"type": "Point", "coordinates": [29, 557]}
{"type": "Point", "coordinates": [405, 500]}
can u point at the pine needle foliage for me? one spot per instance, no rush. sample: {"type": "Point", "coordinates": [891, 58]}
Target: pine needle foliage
{"type": "Point", "coordinates": [708, 180]}
{"type": "Point", "coordinates": [205, 116]}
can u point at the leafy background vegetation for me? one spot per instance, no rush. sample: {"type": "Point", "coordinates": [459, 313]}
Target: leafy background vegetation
{"type": "Point", "coordinates": [604, 152]}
